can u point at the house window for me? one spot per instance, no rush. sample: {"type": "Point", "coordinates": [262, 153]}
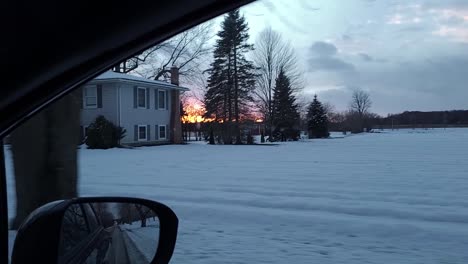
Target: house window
{"type": "Point", "coordinates": [142, 133]}
{"type": "Point", "coordinates": [141, 98]}
{"type": "Point", "coordinates": [162, 132]}
{"type": "Point", "coordinates": [90, 97]}
{"type": "Point", "coordinates": [162, 99]}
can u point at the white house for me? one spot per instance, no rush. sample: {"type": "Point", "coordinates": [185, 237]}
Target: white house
{"type": "Point", "coordinates": [149, 110]}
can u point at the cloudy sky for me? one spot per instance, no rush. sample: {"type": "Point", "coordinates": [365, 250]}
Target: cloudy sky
{"type": "Point", "coordinates": [409, 55]}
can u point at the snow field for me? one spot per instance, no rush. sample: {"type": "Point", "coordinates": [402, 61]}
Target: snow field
{"type": "Point", "coordinates": [390, 197]}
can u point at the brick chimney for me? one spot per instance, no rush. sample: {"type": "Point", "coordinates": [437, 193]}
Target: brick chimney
{"type": "Point", "coordinates": [175, 75]}
{"type": "Point", "coordinates": [176, 124]}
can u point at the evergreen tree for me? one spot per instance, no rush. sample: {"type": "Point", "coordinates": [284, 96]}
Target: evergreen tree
{"type": "Point", "coordinates": [231, 79]}
{"type": "Point", "coordinates": [218, 87]}
{"type": "Point", "coordinates": [317, 121]}
{"type": "Point", "coordinates": [285, 113]}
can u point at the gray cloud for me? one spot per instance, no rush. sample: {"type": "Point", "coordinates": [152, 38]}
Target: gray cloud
{"type": "Point", "coordinates": [306, 6]}
{"type": "Point", "coordinates": [438, 76]}
{"type": "Point", "coordinates": [269, 5]}
{"type": "Point", "coordinates": [452, 21]}
{"type": "Point", "coordinates": [339, 97]}
{"type": "Point", "coordinates": [445, 3]}
{"type": "Point", "coordinates": [346, 37]}
{"type": "Point", "coordinates": [365, 57]}
{"type": "Point", "coordinates": [323, 58]}
{"type": "Point", "coordinates": [381, 60]}
{"type": "Point", "coordinates": [321, 48]}
{"type": "Point", "coordinates": [284, 19]}
{"type": "Point", "coordinates": [438, 83]}
{"type": "Point", "coordinates": [329, 64]}
{"type": "Point", "coordinates": [414, 28]}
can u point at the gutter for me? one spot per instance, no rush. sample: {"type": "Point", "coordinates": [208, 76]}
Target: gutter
{"type": "Point", "coordinates": [169, 86]}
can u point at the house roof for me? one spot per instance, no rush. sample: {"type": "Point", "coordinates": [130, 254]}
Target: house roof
{"type": "Point", "coordinates": [115, 76]}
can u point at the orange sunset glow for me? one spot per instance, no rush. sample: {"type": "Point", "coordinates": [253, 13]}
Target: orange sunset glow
{"type": "Point", "coordinates": [194, 112]}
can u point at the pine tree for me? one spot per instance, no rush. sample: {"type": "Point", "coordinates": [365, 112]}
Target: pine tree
{"type": "Point", "coordinates": [317, 121]}
{"type": "Point", "coordinates": [212, 140]}
{"type": "Point", "coordinates": [231, 78]}
{"type": "Point", "coordinates": [216, 94]}
{"type": "Point", "coordinates": [285, 113]}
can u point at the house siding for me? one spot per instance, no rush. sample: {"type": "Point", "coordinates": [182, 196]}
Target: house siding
{"type": "Point", "coordinates": [150, 116]}
{"type": "Point", "coordinates": [128, 116]}
{"type": "Point", "coordinates": [109, 106]}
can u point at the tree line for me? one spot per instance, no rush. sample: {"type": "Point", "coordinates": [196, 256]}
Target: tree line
{"type": "Point", "coordinates": [246, 81]}
{"type": "Point", "coordinates": [357, 118]}
{"type": "Point", "coordinates": [359, 121]}
{"type": "Point", "coordinates": [238, 84]}
{"type": "Point", "coordinates": [419, 118]}
{"type": "Point", "coordinates": [265, 78]}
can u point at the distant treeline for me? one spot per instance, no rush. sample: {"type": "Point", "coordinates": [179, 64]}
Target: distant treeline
{"type": "Point", "coordinates": [413, 119]}
{"type": "Point", "coordinates": [407, 119]}
{"type": "Point", "coordinates": [454, 117]}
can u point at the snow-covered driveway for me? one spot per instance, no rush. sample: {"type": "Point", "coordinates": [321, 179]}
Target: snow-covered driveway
{"type": "Point", "coordinates": [394, 197]}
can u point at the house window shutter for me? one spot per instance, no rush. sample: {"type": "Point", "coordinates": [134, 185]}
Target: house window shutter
{"type": "Point", "coordinates": [99, 96]}
{"type": "Point", "coordinates": [148, 132]}
{"type": "Point", "coordinates": [135, 97]}
{"type": "Point", "coordinates": [156, 133]}
{"type": "Point", "coordinates": [167, 99]}
{"type": "Point", "coordinates": [156, 106]}
{"type": "Point", "coordinates": [136, 133]}
{"type": "Point", "coordinates": [147, 98]}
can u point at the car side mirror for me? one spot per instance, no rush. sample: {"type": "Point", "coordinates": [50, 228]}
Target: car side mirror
{"type": "Point", "coordinates": [97, 230]}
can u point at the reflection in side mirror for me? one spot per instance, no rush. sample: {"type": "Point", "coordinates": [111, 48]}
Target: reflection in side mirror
{"type": "Point", "coordinates": [97, 230]}
{"type": "Point", "coordinates": [108, 233]}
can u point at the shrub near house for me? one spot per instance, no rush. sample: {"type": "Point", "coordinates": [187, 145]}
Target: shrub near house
{"type": "Point", "coordinates": [103, 134]}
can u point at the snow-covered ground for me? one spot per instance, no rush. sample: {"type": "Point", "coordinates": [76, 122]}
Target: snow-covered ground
{"type": "Point", "coordinates": [145, 239]}
{"type": "Point", "coordinates": [392, 197]}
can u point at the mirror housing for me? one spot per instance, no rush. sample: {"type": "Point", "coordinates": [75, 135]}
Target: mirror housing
{"type": "Point", "coordinates": [38, 238]}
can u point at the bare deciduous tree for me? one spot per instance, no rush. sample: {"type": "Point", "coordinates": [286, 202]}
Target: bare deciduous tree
{"type": "Point", "coordinates": [360, 105]}
{"type": "Point", "coordinates": [187, 51]}
{"type": "Point", "coordinates": [361, 102]}
{"type": "Point", "coordinates": [143, 212]}
{"type": "Point", "coordinates": [272, 53]}
{"type": "Point", "coordinates": [328, 108]}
